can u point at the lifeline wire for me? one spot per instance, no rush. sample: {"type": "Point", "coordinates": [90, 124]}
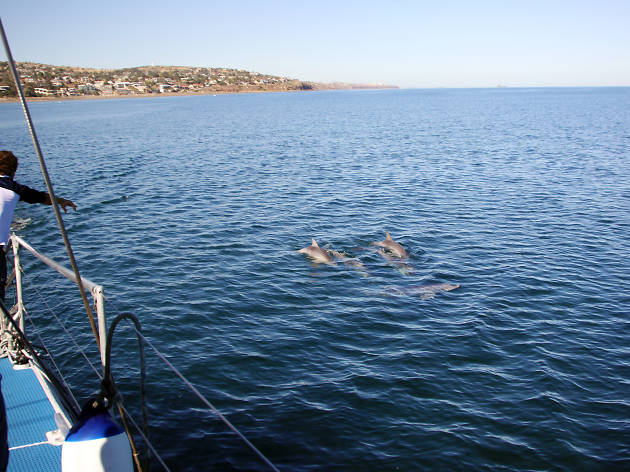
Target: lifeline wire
{"type": "Point", "coordinates": [210, 405]}
{"type": "Point", "coordinates": [149, 444]}
{"type": "Point", "coordinates": [203, 399]}
{"type": "Point", "coordinates": [52, 359]}
{"type": "Point", "coordinates": [78, 347]}
{"type": "Point", "coordinates": [51, 193]}
{"type": "Point", "coordinates": [60, 323]}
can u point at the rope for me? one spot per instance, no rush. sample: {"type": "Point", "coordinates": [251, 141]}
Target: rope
{"type": "Point", "coordinates": [31, 350]}
{"type": "Point", "coordinates": [14, 448]}
{"type": "Point", "coordinates": [108, 389]}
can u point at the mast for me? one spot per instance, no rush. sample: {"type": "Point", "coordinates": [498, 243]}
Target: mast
{"type": "Point", "coordinates": [49, 187]}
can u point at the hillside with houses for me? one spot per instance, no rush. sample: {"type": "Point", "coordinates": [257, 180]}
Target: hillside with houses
{"type": "Point", "coordinates": [42, 80]}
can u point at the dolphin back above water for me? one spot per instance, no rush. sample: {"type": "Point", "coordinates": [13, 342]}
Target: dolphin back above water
{"type": "Point", "coordinates": [392, 246]}
{"type": "Point", "coordinates": [317, 254]}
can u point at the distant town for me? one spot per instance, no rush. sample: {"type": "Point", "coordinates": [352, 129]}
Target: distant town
{"type": "Point", "coordinates": [42, 80]}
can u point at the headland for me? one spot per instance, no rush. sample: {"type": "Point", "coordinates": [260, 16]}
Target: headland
{"type": "Point", "coordinates": [49, 82]}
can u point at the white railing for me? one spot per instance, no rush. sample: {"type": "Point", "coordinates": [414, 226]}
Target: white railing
{"type": "Point", "coordinates": [97, 295]}
{"type": "Point", "coordinates": [95, 289]}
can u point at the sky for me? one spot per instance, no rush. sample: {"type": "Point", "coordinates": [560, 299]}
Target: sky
{"type": "Point", "coordinates": [424, 44]}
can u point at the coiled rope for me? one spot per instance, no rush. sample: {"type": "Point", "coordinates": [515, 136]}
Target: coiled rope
{"type": "Point", "coordinates": [72, 410]}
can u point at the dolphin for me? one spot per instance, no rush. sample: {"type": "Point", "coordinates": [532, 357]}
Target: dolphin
{"type": "Point", "coordinates": [425, 291]}
{"type": "Point", "coordinates": [317, 254]}
{"type": "Point", "coordinates": [351, 261]}
{"type": "Point", "coordinates": [402, 267]}
{"type": "Point", "coordinates": [429, 291]}
{"type": "Point", "coordinates": [392, 246]}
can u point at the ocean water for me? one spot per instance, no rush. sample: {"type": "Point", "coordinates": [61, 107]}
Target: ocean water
{"type": "Point", "coordinates": [191, 210]}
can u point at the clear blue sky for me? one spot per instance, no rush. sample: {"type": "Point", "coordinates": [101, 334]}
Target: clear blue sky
{"type": "Point", "coordinates": [437, 43]}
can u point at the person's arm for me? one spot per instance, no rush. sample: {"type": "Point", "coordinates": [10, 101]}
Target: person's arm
{"type": "Point", "coordinates": [61, 202]}
{"type": "Point", "coordinates": [30, 195]}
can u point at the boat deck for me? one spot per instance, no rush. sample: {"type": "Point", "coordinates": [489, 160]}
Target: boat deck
{"type": "Point", "coordinates": [29, 416]}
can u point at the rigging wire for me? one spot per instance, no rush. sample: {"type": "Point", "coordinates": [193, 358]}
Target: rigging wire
{"type": "Point", "coordinates": [52, 359]}
{"type": "Point", "coordinates": [51, 193]}
{"type": "Point", "coordinates": [63, 327]}
{"type": "Point", "coordinates": [123, 411]}
{"type": "Point", "coordinates": [210, 405]}
{"type": "Point", "coordinates": [125, 415]}
{"type": "Point", "coordinates": [204, 400]}
{"type": "Point", "coordinates": [146, 440]}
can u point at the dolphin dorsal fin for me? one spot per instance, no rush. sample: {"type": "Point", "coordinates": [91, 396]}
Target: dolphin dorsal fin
{"type": "Point", "coordinates": [314, 242]}
{"type": "Point", "coordinates": [388, 236]}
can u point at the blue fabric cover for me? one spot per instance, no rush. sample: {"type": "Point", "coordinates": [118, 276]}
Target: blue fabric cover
{"type": "Point", "coordinates": [94, 425]}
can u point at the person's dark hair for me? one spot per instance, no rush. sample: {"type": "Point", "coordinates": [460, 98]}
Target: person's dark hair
{"type": "Point", "coordinates": [8, 163]}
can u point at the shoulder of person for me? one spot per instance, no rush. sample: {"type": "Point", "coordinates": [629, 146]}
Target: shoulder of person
{"type": "Point", "coordinates": [8, 183]}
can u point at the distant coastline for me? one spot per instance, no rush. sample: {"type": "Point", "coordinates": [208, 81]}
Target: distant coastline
{"type": "Point", "coordinates": [161, 95]}
{"type": "Point", "coordinates": [49, 82]}
{"type": "Point", "coordinates": [187, 94]}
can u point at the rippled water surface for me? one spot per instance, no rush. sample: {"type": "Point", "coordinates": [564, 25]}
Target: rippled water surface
{"type": "Point", "coordinates": [191, 210]}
